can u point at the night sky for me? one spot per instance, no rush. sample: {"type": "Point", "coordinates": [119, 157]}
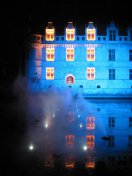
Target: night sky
{"type": "Point", "coordinates": [19, 18]}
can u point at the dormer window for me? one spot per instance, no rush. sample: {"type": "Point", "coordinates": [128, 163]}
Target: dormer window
{"type": "Point", "coordinates": [112, 35]}
{"type": "Point", "coordinates": [90, 32]}
{"type": "Point", "coordinates": [70, 32]}
{"type": "Point", "coordinates": [112, 31]}
{"type": "Point", "coordinates": [50, 32]}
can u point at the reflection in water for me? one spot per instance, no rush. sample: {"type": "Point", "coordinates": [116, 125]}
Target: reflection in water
{"type": "Point", "coordinates": [88, 134]}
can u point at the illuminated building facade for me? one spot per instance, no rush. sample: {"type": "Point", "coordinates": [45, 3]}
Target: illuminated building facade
{"type": "Point", "coordinates": [96, 65]}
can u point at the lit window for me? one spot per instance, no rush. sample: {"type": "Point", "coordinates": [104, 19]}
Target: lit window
{"type": "Point", "coordinates": [90, 32]}
{"type": "Point", "coordinates": [70, 32]}
{"type": "Point", "coordinates": [90, 123]}
{"type": "Point", "coordinates": [90, 141]}
{"type": "Point", "coordinates": [70, 79]}
{"type": "Point", "coordinates": [111, 121]}
{"type": "Point", "coordinates": [90, 162]}
{"type": "Point", "coordinates": [38, 53]}
{"type": "Point", "coordinates": [50, 73]}
{"type": "Point", "coordinates": [112, 55]}
{"type": "Point", "coordinates": [50, 54]}
{"type": "Point", "coordinates": [70, 140]}
{"type": "Point", "coordinates": [50, 32]}
{"type": "Point", "coordinates": [90, 54]}
{"type": "Point", "coordinates": [91, 73]}
{"type": "Point", "coordinates": [69, 163]}
{"type": "Point", "coordinates": [70, 54]}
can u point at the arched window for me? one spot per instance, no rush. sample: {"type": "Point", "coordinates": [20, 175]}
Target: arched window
{"type": "Point", "coordinates": [70, 79]}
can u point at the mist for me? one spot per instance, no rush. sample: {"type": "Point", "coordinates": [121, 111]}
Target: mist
{"type": "Point", "coordinates": [48, 117]}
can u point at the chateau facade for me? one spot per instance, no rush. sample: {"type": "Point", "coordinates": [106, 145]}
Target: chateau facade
{"type": "Point", "coordinates": [96, 65]}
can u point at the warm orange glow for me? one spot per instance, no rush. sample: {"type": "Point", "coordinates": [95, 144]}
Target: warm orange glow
{"type": "Point", "coordinates": [50, 34]}
{"type": "Point", "coordinates": [69, 54]}
{"type": "Point", "coordinates": [90, 165]}
{"type": "Point", "coordinates": [69, 163]}
{"type": "Point", "coordinates": [50, 54]}
{"type": "Point", "coordinates": [50, 73]}
{"type": "Point", "coordinates": [90, 123]}
{"type": "Point", "coordinates": [70, 34]}
{"type": "Point", "coordinates": [90, 54]}
{"type": "Point", "coordinates": [90, 34]}
{"type": "Point", "coordinates": [70, 140]}
{"type": "Point", "coordinates": [38, 53]}
{"type": "Point", "coordinates": [90, 141]}
{"type": "Point", "coordinates": [90, 73]}
{"type": "Point", "coordinates": [70, 79]}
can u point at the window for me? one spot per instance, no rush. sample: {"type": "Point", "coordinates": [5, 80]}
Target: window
{"type": "Point", "coordinates": [90, 54]}
{"type": "Point", "coordinates": [111, 74]}
{"type": "Point", "coordinates": [50, 73]}
{"type": "Point", "coordinates": [111, 141]}
{"type": "Point", "coordinates": [111, 160]}
{"type": "Point", "coordinates": [49, 161]}
{"type": "Point", "coordinates": [70, 140]}
{"type": "Point", "coordinates": [69, 163]}
{"type": "Point", "coordinates": [90, 161]}
{"type": "Point", "coordinates": [130, 122]}
{"type": "Point", "coordinates": [90, 123]}
{"type": "Point", "coordinates": [50, 32]}
{"type": "Point", "coordinates": [71, 116]}
{"type": "Point", "coordinates": [50, 54]}
{"type": "Point", "coordinates": [38, 53]}
{"type": "Point", "coordinates": [70, 79]}
{"type": "Point", "coordinates": [130, 35]}
{"type": "Point", "coordinates": [130, 141]}
{"type": "Point", "coordinates": [90, 34]}
{"type": "Point", "coordinates": [130, 74]}
{"type": "Point", "coordinates": [90, 141]}
{"type": "Point", "coordinates": [70, 32]}
{"type": "Point", "coordinates": [111, 122]}
{"type": "Point", "coordinates": [130, 55]}
{"type": "Point", "coordinates": [91, 73]}
{"type": "Point", "coordinates": [112, 55]}
{"type": "Point", "coordinates": [112, 35]}
{"type": "Point", "coordinates": [70, 54]}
